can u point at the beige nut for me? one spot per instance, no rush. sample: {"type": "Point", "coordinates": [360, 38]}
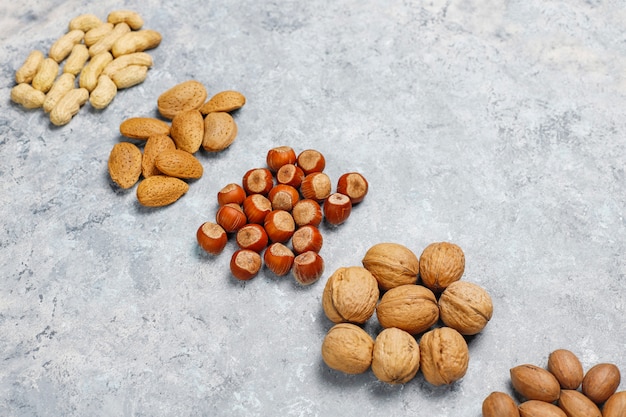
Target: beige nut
{"type": "Point", "coordinates": [536, 408]}
{"type": "Point", "coordinates": [160, 190]}
{"type": "Point", "coordinates": [601, 381]}
{"type": "Point", "coordinates": [29, 68]}
{"type": "Point", "coordinates": [104, 93]}
{"type": "Point", "coordinates": [130, 76]}
{"type": "Point", "coordinates": [96, 34]}
{"type": "Point", "coordinates": [27, 96]}
{"type": "Point", "coordinates": [188, 95]}
{"type": "Point", "coordinates": [124, 164]}
{"type": "Point", "coordinates": [137, 58]}
{"type": "Point", "coordinates": [63, 46]}
{"type": "Point", "coordinates": [178, 163]}
{"type": "Point", "coordinates": [105, 43]}
{"type": "Point", "coordinates": [441, 264]}
{"type": "Point", "coordinates": [143, 127]}
{"type": "Point", "coordinates": [392, 265]}
{"type": "Point", "coordinates": [136, 41]}
{"type": "Point", "coordinates": [154, 146]}
{"type": "Point", "coordinates": [576, 404]}
{"type": "Point", "coordinates": [187, 130]}
{"type": "Point", "coordinates": [412, 308]}
{"type": "Point", "coordinates": [348, 348]}
{"type": "Point", "coordinates": [350, 295]}
{"type": "Point", "coordinates": [465, 307]}
{"type": "Point", "coordinates": [535, 383]}
{"type": "Point", "coordinates": [89, 76]}
{"type": "Point", "coordinates": [61, 86]}
{"type": "Point", "coordinates": [444, 356]}
{"type": "Point", "coordinates": [47, 73]}
{"type": "Point", "coordinates": [68, 106]}
{"type": "Point", "coordinates": [566, 367]}
{"type": "Point", "coordinates": [224, 101]}
{"type": "Point", "coordinates": [396, 356]}
{"type": "Point", "coordinates": [130, 17]}
{"type": "Point", "coordinates": [499, 404]}
{"type": "Point", "coordinates": [615, 406]}
{"type": "Point", "coordinates": [77, 59]}
{"type": "Point", "coordinates": [84, 22]}
{"type": "Point", "coordinates": [220, 131]}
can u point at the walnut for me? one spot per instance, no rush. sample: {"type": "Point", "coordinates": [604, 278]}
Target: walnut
{"type": "Point", "coordinates": [392, 265]}
{"type": "Point", "coordinates": [348, 348]}
{"type": "Point", "coordinates": [444, 356]}
{"type": "Point", "coordinates": [441, 264]}
{"type": "Point", "coordinates": [412, 308]}
{"type": "Point", "coordinates": [396, 356]}
{"type": "Point", "coordinates": [350, 295]}
{"type": "Point", "coordinates": [465, 307]}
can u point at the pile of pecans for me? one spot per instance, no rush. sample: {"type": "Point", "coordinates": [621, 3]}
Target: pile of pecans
{"type": "Point", "coordinates": [278, 209]}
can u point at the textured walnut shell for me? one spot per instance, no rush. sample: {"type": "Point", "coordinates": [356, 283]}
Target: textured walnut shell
{"type": "Point", "coordinates": [441, 264]}
{"type": "Point", "coordinates": [601, 381]}
{"type": "Point", "coordinates": [566, 367]}
{"type": "Point", "coordinates": [575, 404]}
{"type": "Point", "coordinates": [412, 308]}
{"type": "Point", "coordinates": [350, 295]}
{"type": "Point", "coordinates": [615, 406]}
{"type": "Point", "coordinates": [465, 307]}
{"type": "Point", "coordinates": [444, 356]}
{"type": "Point", "coordinates": [348, 348]}
{"type": "Point", "coordinates": [396, 356]}
{"type": "Point", "coordinates": [535, 408]}
{"type": "Point", "coordinates": [499, 404]}
{"type": "Point", "coordinates": [392, 265]}
{"type": "Point", "coordinates": [535, 383]}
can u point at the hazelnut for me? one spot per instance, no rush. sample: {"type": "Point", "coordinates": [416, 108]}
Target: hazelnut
{"type": "Point", "coordinates": [279, 225]}
{"type": "Point", "coordinates": [566, 367]}
{"type": "Point", "coordinates": [337, 208]}
{"type": "Point", "coordinates": [316, 186]}
{"type": "Point", "coordinates": [441, 264]}
{"type": "Point", "coordinates": [307, 238]}
{"type": "Point", "coordinates": [279, 156]}
{"type": "Point", "coordinates": [354, 185]}
{"type": "Point", "coordinates": [412, 308]}
{"type": "Point", "coordinates": [278, 258]}
{"type": "Point", "coordinates": [252, 236]}
{"type": "Point", "coordinates": [306, 212]}
{"type": "Point", "coordinates": [231, 193]}
{"type": "Point", "coordinates": [465, 307]}
{"type": "Point", "coordinates": [212, 238]}
{"type": "Point", "coordinates": [444, 356]}
{"type": "Point", "coordinates": [576, 404]}
{"type": "Point", "coordinates": [499, 404]}
{"type": "Point", "coordinates": [256, 207]}
{"type": "Point", "coordinates": [347, 348]}
{"type": "Point", "coordinates": [391, 264]}
{"type": "Point", "coordinates": [396, 356]}
{"type": "Point", "coordinates": [258, 181]}
{"type": "Point", "coordinates": [310, 161]}
{"type": "Point", "coordinates": [307, 268]}
{"type": "Point", "coordinates": [350, 295]}
{"type": "Point", "coordinates": [615, 406]}
{"type": "Point", "coordinates": [535, 383]}
{"type": "Point", "coordinates": [245, 264]}
{"type": "Point", "coordinates": [231, 217]}
{"type": "Point", "coordinates": [601, 381]}
{"type": "Point", "coordinates": [290, 174]}
{"type": "Point", "coordinates": [283, 197]}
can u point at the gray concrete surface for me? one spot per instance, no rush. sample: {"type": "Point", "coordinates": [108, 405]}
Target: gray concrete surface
{"type": "Point", "coordinates": [497, 125]}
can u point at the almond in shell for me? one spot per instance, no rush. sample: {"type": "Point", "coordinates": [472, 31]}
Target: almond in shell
{"type": "Point", "coordinates": [143, 127]}
{"type": "Point", "coordinates": [187, 130]}
{"type": "Point", "coordinates": [154, 146]}
{"type": "Point", "coordinates": [224, 101]}
{"type": "Point", "coordinates": [220, 131]}
{"type": "Point", "coordinates": [536, 408]}
{"type": "Point", "coordinates": [178, 163]}
{"type": "Point", "coordinates": [160, 190]}
{"type": "Point", "coordinates": [188, 95]}
{"type": "Point", "coordinates": [576, 404]}
{"type": "Point", "coordinates": [125, 164]}
{"type": "Point", "coordinates": [535, 383]}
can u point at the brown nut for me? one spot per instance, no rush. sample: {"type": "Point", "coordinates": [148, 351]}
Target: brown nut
{"type": "Point", "coordinates": [576, 404]}
{"type": "Point", "coordinates": [441, 264]}
{"type": "Point", "coordinates": [348, 348]}
{"type": "Point", "coordinates": [391, 264]}
{"type": "Point", "coordinates": [601, 381]}
{"type": "Point", "coordinates": [566, 367]}
{"type": "Point", "coordinates": [499, 404]}
{"type": "Point", "coordinates": [396, 356]}
{"type": "Point", "coordinates": [350, 295]}
{"type": "Point", "coordinates": [615, 406]}
{"type": "Point", "coordinates": [535, 383]}
{"type": "Point", "coordinates": [444, 356]}
{"type": "Point", "coordinates": [465, 307]}
{"type": "Point", "coordinates": [412, 308]}
{"type": "Point", "coordinates": [535, 408]}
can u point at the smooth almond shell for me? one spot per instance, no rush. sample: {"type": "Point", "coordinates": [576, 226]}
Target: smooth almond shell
{"type": "Point", "coordinates": [412, 308]}
{"type": "Point", "coordinates": [143, 127]}
{"type": "Point", "coordinates": [601, 381]}
{"type": "Point", "coordinates": [220, 131]}
{"type": "Point", "coordinates": [224, 101]}
{"type": "Point", "coordinates": [535, 383]}
{"type": "Point", "coordinates": [615, 406]}
{"type": "Point", "coordinates": [576, 404]}
{"type": "Point", "coordinates": [187, 130]}
{"type": "Point", "coordinates": [350, 295]}
{"type": "Point", "coordinates": [535, 408]}
{"type": "Point", "coordinates": [160, 190]}
{"type": "Point", "coordinates": [154, 146]}
{"type": "Point", "coordinates": [178, 163]}
{"type": "Point", "coordinates": [188, 95]}
{"type": "Point", "coordinates": [125, 164]}
{"type": "Point", "coordinates": [566, 367]}
{"type": "Point", "coordinates": [499, 404]}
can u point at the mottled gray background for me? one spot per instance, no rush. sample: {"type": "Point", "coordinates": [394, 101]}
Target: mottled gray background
{"type": "Point", "coordinates": [495, 124]}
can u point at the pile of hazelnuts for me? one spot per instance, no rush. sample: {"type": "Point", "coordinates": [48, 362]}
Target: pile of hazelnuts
{"type": "Point", "coordinates": [276, 211]}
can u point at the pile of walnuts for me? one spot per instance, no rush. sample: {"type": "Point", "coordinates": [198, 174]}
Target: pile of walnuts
{"type": "Point", "coordinates": [406, 310]}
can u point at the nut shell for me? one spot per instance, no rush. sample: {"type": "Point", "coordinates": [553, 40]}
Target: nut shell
{"type": "Point", "coordinates": [444, 356]}
{"type": "Point", "coordinates": [601, 381]}
{"type": "Point", "coordinates": [396, 356]}
{"type": "Point", "coordinates": [412, 308]}
{"type": "Point", "coordinates": [465, 307]}
{"type": "Point", "coordinates": [615, 406]}
{"type": "Point", "coordinates": [392, 265]}
{"type": "Point", "coordinates": [348, 348]}
{"type": "Point", "coordinates": [499, 404]}
{"type": "Point", "coordinates": [535, 408]}
{"type": "Point", "coordinates": [535, 383]}
{"type": "Point", "coordinates": [576, 404]}
{"type": "Point", "coordinates": [441, 264]}
{"type": "Point", "coordinates": [566, 367]}
{"type": "Point", "coordinates": [350, 295]}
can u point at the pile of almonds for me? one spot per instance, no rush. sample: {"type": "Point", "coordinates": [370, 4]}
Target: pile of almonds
{"type": "Point", "coordinates": [278, 209]}
{"type": "Point", "coordinates": [168, 159]}
{"type": "Point", "coordinates": [406, 310]}
{"type": "Point", "coordinates": [91, 61]}
{"type": "Point", "coordinates": [561, 390]}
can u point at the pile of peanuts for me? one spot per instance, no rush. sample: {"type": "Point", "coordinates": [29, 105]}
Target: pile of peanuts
{"type": "Point", "coordinates": [278, 209]}
{"type": "Point", "coordinates": [103, 56]}
{"type": "Point", "coordinates": [562, 389]}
